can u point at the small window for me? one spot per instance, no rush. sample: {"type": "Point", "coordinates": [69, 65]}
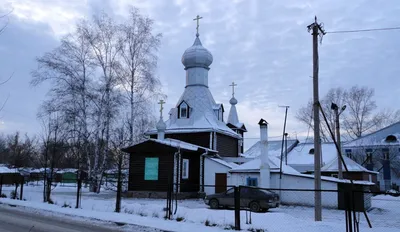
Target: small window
{"type": "Point", "coordinates": [369, 155]}
{"type": "Point", "coordinates": [311, 151]}
{"type": "Point", "coordinates": [385, 152]}
{"type": "Point", "coordinates": [185, 169]}
{"type": "Point", "coordinates": [348, 153]}
{"type": "Point", "coordinates": [391, 139]}
{"type": "Point", "coordinates": [183, 110]}
{"type": "Point", "coordinates": [252, 182]}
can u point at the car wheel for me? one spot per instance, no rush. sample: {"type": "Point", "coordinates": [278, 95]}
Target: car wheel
{"type": "Point", "coordinates": [254, 206]}
{"type": "Point", "coordinates": [214, 204]}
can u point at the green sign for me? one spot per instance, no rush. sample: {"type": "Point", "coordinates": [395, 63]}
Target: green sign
{"type": "Point", "coordinates": [151, 169]}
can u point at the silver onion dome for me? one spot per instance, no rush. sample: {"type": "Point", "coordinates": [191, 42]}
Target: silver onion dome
{"type": "Point", "coordinates": [197, 56]}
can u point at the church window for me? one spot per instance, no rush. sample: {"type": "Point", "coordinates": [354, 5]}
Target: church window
{"type": "Point", "coordinates": [369, 155]}
{"type": "Point", "coordinates": [185, 169]}
{"type": "Point", "coordinates": [385, 152]}
{"type": "Point", "coordinates": [391, 139]}
{"type": "Point", "coordinates": [252, 182]}
{"type": "Point", "coordinates": [348, 153]}
{"type": "Point", "coordinates": [183, 110]}
{"type": "Point", "coordinates": [151, 168]}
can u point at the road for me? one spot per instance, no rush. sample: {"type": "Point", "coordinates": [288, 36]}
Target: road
{"type": "Point", "coordinates": [15, 219]}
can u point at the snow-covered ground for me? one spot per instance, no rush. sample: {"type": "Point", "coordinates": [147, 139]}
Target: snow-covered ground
{"type": "Point", "coordinates": [193, 215]}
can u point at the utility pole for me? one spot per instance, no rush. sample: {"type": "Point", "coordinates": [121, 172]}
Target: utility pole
{"type": "Point", "coordinates": [283, 140]}
{"type": "Point", "coordinates": [335, 108]}
{"type": "Point", "coordinates": [316, 30]}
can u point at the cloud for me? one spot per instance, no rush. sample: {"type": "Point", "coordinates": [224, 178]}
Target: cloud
{"type": "Point", "coordinates": [263, 46]}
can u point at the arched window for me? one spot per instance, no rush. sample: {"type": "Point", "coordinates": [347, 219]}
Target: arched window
{"type": "Point", "coordinates": [391, 139]}
{"type": "Point", "coordinates": [183, 110]}
{"type": "Point", "coordinates": [311, 151]}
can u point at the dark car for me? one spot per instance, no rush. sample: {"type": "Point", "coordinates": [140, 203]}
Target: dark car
{"type": "Point", "coordinates": [250, 198]}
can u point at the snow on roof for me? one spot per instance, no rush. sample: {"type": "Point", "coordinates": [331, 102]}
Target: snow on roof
{"type": "Point", "coordinates": [201, 114]}
{"type": "Point", "coordinates": [180, 144]}
{"type": "Point", "coordinates": [8, 170]}
{"type": "Point", "coordinates": [352, 166]}
{"type": "Point", "coordinates": [333, 179]}
{"type": "Point", "coordinates": [300, 155]}
{"type": "Point", "coordinates": [223, 162]}
{"type": "Point", "coordinates": [274, 148]}
{"type": "Point", "coordinates": [254, 166]}
{"type": "Point", "coordinates": [67, 170]}
{"type": "Point", "coordinates": [378, 138]}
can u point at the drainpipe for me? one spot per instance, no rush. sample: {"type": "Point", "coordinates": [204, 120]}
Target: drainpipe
{"type": "Point", "coordinates": [201, 189]}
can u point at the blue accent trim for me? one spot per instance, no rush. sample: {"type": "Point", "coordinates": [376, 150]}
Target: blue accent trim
{"type": "Point", "coordinates": [252, 181]}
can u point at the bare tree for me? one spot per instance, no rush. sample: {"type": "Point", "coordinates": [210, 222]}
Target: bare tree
{"type": "Point", "coordinates": [138, 60]}
{"type": "Point", "coordinates": [304, 115]}
{"type": "Point", "coordinates": [360, 117]}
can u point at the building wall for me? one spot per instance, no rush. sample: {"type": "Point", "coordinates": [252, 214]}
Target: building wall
{"type": "Point", "coordinates": [200, 139]}
{"type": "Point", "coordinates": [137, 167]}
{"type": "Point", "coordinates": [192, 184]}
{"type": "Point", "coordinates": [329, 199]}
{"type": "Point", "coordinates": [227, 146]}
{"type": "Point", "coordinates": [211, 167]}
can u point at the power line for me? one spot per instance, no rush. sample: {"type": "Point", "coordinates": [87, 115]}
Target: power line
{"type": "Point", "coordinates": [364, 30]}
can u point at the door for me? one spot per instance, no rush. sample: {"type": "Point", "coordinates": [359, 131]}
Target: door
{"type": "Point", "coordinates": [220, 182]}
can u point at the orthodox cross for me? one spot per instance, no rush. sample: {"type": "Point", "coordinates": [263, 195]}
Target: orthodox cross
{"type": "Point", "coordinates": [161, 102]}
{"type": "Point", "coordinates": [233, 88]}
{"type": "Point", "coordinates": [197, 19]}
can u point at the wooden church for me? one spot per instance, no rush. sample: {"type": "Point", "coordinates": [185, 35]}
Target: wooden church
{"type": "Point", "coordinates": [186, 148]}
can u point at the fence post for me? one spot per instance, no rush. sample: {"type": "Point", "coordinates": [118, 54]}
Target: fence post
{"type": "Point", "coordinates": [1, 184]}
{"type": "Point", "coordinates": [22, 188]}
{"type": "Point", "coordinates": [237, 207]}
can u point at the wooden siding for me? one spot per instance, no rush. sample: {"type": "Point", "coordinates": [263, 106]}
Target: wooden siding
{"type": "Point", "coordinates": [199, 139]}
{"type": "Point", "coordinates": [165, 153]}
{"type": "Point", "coordinates": [137, 163]}
{"type": "Point", "coordinates": [227, 146]}
{"type": "Point", "coordinates": [192, 184]}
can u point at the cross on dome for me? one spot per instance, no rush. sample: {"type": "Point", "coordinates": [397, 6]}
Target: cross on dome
{"type": "Point", "coordinates": [197, 28]}
{"type": "Point", "coordinates": [161, 103]}
{"type": "Point", "coordinates": [233, 88]}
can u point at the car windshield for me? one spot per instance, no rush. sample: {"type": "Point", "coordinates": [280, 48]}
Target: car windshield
{"type": "Point", "coordinates": [230, 191]}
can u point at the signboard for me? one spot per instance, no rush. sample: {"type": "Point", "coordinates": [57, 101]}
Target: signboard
{"type": "Point", "coordinates": [151, 169]}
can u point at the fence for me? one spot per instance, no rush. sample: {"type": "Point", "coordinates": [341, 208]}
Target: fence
{"type": "Point", "coordinates": [347, 207]}
{"type": "Point", "coordinates": [9, 180]}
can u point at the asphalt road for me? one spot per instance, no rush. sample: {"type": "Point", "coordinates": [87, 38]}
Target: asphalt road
{"type": "Point", "coordinates": [23, 220]}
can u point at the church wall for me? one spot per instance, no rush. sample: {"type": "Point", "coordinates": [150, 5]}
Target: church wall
{"type": "Point", "coordinates": [211, 167]}
{"type": "Point", "coordinates": [199, 139]}
{"type": "Point", "coordinates": [227, 146]}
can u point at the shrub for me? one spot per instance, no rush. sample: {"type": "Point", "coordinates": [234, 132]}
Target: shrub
{"type": "Point", "coordinates": [208, 223]}
{"type": "Point", "coordinates": [3, 195]}
{"type": "Point", "coordinates": [179, 219]}
{"type": "Point", "coordinates": [66, 205]}
{"type": "Point", "coordinates": [229, 227]}
{"type": "Point", "coordinates": [13, 195]}
{"type": "Point", "coordinates": [256, 230]}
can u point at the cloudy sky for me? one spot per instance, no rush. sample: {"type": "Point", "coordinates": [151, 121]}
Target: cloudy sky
{"type": "Point", "coordinates": [262, 45]}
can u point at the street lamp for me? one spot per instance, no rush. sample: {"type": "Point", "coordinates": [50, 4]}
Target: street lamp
{"type": "Point", "coordinates": [335, 108]}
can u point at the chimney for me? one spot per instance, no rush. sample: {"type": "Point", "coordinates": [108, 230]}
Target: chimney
{"type": "Point", "coordinates": [161, 129]}
{"type": "Point", "coordinates": [264, 167]}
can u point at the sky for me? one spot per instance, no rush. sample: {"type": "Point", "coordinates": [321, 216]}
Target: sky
{"type": "Point", "coordinates": [263, 46]}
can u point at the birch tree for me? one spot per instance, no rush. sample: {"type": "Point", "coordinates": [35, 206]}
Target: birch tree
{"type": "Point", "coordinates": [138, 56]}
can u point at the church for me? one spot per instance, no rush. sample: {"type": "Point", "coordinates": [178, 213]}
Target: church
{"type": "Point", "coordinates": [195, 152]}
{"type": "Point", "coordinates": [195, 137]}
